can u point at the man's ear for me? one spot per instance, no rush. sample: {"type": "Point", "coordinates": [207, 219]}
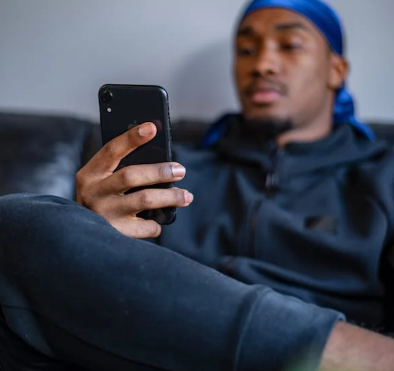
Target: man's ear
{"type": "Point", "coordinates": [339, 69]}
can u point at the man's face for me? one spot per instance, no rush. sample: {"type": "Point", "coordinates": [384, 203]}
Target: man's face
{"type": "Point", "coordinates": [283, 68]}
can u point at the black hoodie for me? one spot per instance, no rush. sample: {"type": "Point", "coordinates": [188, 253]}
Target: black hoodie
{"type": "Point", "coordinates": [311, 220]}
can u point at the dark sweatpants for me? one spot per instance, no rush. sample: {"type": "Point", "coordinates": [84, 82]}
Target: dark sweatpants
{"type": "Point", "coordinates": [75, 292]}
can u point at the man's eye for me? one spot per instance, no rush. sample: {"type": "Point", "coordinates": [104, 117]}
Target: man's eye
{"type": "Point", "coordinates": [290, 47]}
{"type": "Point", "coordinates": [245, 51]}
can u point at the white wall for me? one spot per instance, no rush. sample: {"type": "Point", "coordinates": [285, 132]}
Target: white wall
{"type": "Point", "coordinates": [54, 54]}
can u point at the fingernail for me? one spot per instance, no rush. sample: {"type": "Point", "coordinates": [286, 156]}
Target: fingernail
{"type": "Point", "coordinates": [178, 171]}
{"type": "Point", "coordinates": [145, 130]}
{"type": "Point", "coordinates": [189, 197]}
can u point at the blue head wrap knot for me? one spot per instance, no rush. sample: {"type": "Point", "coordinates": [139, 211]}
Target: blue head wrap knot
{"type": "Point", "coordinates": [329, 24]}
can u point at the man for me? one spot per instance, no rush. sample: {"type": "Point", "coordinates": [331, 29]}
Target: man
{"type": "Point", "coordinates": [282, 198]}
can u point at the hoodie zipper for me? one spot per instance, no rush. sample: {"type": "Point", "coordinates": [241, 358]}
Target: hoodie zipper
{"type": "Point", "coordinates": [271, 186]}
{"type": "Point", "coordinates": [271, 179]}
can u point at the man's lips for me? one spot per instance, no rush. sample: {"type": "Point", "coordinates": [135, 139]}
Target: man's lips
{"type": "Point", "coordinates": [265, 92]}
{"type": "Point", "coordinates": [264, 96]}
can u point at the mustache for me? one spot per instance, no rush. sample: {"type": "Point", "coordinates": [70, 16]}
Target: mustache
{"type": "Point", "coordinates": [265, 84]}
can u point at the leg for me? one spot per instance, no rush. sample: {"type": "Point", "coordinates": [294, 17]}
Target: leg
{"type": "Point", "coordinates": [75, 289]}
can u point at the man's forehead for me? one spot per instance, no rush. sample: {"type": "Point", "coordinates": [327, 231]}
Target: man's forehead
{"type": "Point", "coordinates": [274, 19]}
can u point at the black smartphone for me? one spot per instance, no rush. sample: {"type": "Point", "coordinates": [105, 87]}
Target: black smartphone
{"type": "Point", "coordinates": [125, 106]}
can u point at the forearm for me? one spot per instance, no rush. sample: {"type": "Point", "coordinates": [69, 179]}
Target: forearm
{"type": "Point", "coordinates": [350, 348]}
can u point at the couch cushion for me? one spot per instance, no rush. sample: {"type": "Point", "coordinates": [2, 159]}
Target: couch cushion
{"type": "Point", "coordinates": [384, 131]}
{"type": "Point", "coordinates": [40, 154]}
{"type": "Point", "coordinates": [191, 131]}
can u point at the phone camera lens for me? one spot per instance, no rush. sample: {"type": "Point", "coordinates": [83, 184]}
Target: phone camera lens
{"type": "Point", "coordinates": [107, 96]}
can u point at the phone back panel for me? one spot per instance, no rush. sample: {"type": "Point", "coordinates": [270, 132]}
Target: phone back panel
{"type": "Point", "coordinates": [125, 106]}
{"type": "Point", "coordinates": [132, 105]}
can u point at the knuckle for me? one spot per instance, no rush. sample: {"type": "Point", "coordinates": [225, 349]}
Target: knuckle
{"type": "Point", "coordinates": [89, 202]}
{"type": "Point", "coordinates": [165, 171]}
{"type": "Point", "coordinates": [179, 196]}
{"type": "Point", "coordinates": [144, 229]}
{"type": "Point", "coordinates": [109, 150]}
{"type": "Point", "coordinates": [97, 207]}
{"type": "Point", "coordinates": [126, 177]}
{"type": "Point", "coordinates": [80, 185]}
{"type": "Point", "coordinates": [153, 229]}
{"type": "Point", "coordinates": [157, 232]}
{"type": "Point", "coordinates": [79, 178]}
{"type": "Point", "coordinates": [145, 200]}
{"type": "Point", "coordinates": [103, 207]}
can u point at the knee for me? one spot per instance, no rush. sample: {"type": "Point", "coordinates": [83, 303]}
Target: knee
{"type": "Point", "coordinates": [19, 211]}
{"type": "Point", "coordinates": [22, 203]}
{"type": "Point", "coordinates": [28, 233]}
{"type": "Point", "coordinates": [23, 215]}
{"type": "Point", "coordinates": [14, 207]}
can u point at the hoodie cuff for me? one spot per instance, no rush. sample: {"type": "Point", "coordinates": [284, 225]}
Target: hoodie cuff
{"type": "Point", "coordinates": [284, 333]}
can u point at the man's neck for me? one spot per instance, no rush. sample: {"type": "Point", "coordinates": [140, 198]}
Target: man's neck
{"type": "Point", "coordinates": [307, 134]}
{"type": "Point", "coordinates": [282, 132]}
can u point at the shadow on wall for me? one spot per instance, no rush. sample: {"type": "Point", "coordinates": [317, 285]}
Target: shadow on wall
{"type": "Point", "coordinates": [202, 86]}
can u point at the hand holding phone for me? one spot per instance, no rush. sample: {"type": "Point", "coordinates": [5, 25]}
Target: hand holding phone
{"type": "Point", "coordinates": [121, 182]}
{"type": "Point", "coordinates": [102, 189]}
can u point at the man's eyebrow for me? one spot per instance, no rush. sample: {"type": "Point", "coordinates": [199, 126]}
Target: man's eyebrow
{"type": "Point", "coordinates": [245, 31]}
{"type": "Point", "coordinates": [292, 26]}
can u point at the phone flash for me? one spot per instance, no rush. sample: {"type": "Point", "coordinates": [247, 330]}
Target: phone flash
{"type": "Point", "coordinates": [109, 110]}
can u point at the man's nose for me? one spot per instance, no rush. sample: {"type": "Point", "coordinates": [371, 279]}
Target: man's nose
{"type": "Point", "coordinates": [268, 61]}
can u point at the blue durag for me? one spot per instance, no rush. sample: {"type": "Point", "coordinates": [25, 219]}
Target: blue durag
{"type": "Point", "coordinates": [329, 24]}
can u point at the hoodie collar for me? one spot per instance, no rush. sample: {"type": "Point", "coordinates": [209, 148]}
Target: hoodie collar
{"type": "Point", "coordinates": [343, 146]}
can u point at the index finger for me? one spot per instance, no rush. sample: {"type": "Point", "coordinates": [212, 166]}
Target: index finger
{"type": "Point", "coordinates": [107, 159]}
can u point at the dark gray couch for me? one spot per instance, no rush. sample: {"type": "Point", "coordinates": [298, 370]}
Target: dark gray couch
{"type": "Point", "coordinates": [42, 153]}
